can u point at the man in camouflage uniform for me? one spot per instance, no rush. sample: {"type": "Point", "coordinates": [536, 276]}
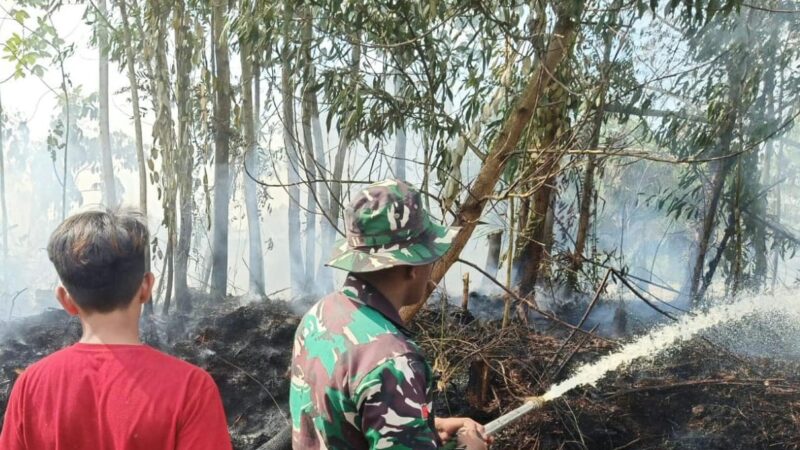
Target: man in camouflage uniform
{"type": "Point", "coordinates": [358, 380]}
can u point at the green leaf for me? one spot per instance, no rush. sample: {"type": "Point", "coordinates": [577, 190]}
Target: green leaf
{"type": "Point", "coordinates": [19, 15]}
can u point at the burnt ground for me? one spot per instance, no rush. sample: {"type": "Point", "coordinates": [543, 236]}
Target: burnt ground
{"type": "Point", "coordinates": [699, 397]}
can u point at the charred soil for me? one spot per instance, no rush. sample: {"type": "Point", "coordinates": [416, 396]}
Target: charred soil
{"type": "Point", "coordinates": [699, 397]}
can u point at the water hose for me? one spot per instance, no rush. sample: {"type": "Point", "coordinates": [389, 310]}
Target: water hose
{"type": "Point", "coordinates": [283, 440]}
{"type": "Point", "coordinates": [531, 403]}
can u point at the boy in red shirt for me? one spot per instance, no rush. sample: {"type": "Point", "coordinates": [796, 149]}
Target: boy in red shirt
{"type": "Point", "coordinates": [109, 391]}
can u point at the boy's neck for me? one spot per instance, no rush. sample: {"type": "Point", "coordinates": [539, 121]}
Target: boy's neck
{"type": "Point", "coordinates": [116, 327]}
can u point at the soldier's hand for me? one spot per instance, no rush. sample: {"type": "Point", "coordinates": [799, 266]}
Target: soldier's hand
{"type": "Point", "coordinates": [469, 433]}
{"type": "Point", "coordinates": [447, 428]}
{"type": "Point", "coordinates": [471, 439]}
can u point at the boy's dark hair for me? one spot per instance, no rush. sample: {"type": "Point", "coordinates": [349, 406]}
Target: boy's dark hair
{"type": "Point", "coordinates": [100, 257]}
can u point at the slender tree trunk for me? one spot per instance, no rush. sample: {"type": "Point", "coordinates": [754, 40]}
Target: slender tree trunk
{"type": "Point", "coordinates": [185, 154]}
{"type": "Point", "coordinates": [584, 213]}
{"type": "Point", "coordinates": [66, 111]}
{"type": "Point", "coordinates": [495, 241]}
{"type": "Point", "coordinates": [137, 126]}
{"type": "Point", "coordinates": [308, 147]}
{"type": "Point", "coordinates": [585, 210]}
{"type": "Point", "coordinates": [546, 130]}
{"type": "Point", "coordinates": [324, 281]}
{"type": "Point", "coordinates": [222, 135]}
{"type": "Point", "coordinates": [164, 133]}
{"type": "Point", "coordinates": [400, 142]}
{"type": "Point", "coordinates": [736, 273]}
{"type": "Point", "coordinates": [255, 254]}
{"type": "Point", "coordinates": [720, 173]}
{"type": "Point", "coordinates": [761, 252]}
{"type": "Point", "coordinates": [533, 253]}
{"type": "Point", "coordinates": [776, 252]}
{"type": "Point", "coordinates": [779, 175]}
{"type": "Point", "coordinates": [137, 113]}
{"type": "Point", "coordinates": [3, 185]}
{"type": "Point", "coordinates": [296, 273]}
{"type": "Point", "coordinates": [559, 48]}
{"type": "Point", "coordinates": [345, 139]}
{"type": "Point", "coordinates": [319, 153]}
{"type": "Point", "coordinates": [109, 184]}
{"type": "Point", "coordinates": [720, 170]}
{"type": "Point", "coordinates": [169, 269]}
{"type": "Point", "coordinates": [714, 263]}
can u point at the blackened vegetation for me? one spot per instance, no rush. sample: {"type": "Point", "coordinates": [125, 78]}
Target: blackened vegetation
{"type": "Point", "coordinates": [246, 350]}
{"type": "Point", "coordinates": [28, 341]}
{"type": "Point", "coordinates": [698, 397]}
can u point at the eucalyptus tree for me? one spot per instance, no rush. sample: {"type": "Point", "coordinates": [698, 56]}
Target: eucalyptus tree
{"type": "Point", "coordinates": [248, 25]}
{"type": "Point", "coordinates": [3, 208]}
{"type": "Point", "coordinates": [185, 49]}
{"type": "Point", "coordinates": [164, 138]}
{"type": "Point", "coordinates": [290, 142]}
{"type": "Point", "coordinates": [109, 180]}
{"type": "Point", "coordinates": [720, 123]}
{"type": "Point", "coordinates": [27, 51]}
{"type": "Point", "coordinates": [222, 135]}
{"type": "Point", "coordinates": [128, 59]}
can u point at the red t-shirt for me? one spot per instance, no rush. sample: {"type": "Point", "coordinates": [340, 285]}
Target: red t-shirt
{"type": "Point", "coordinates": [114, 397]}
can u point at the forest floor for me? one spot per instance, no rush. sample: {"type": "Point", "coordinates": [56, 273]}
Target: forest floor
{"type": "Point", "coordinates": [700, 397]}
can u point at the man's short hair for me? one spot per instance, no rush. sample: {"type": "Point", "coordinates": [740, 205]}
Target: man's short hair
{"type": "Point", "coordinates": [100, 257]}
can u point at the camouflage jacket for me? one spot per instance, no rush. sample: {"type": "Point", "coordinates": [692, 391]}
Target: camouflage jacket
{"type": "Point", "coordinates": [358, 380]}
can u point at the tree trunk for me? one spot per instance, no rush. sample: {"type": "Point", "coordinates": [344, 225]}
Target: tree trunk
{"type": "Point", "coordinates": [255, 254]}
{"type": "Point", "coordinates": [776, 252]}
{"type": "Point", "coordinates": [137, 126]}
{"type": "Point", "coordinates": [326, 280]}
{"type": "Point", "coordinates": [66, 112]}
{"type": "Point", "coordinates": [185, 154]}
{"type": "Point", "coordinates": [137, 114]}
{"type": "Point", "coordinates": [560, 46]}
{"type": "Point", "coordinates": [720, 173]}
{"type": "Point", "coordinates": [109, 187]}
{"type": "Point", "coordinates": [714, 263]}
{"type": "Point", "coordinates": [533, 252]}
{"type": "Point", "coordinates": [163, 130]}
{"type": "Point", "coordinates": [761, 205]}
{"type": "Point", "coordinates": [169, 269]}
{"type": "Point", "coordinates": [400, 138]}
{"type": "Point", "coordinates": [584, 213]}
{"type": "Point", "coordinates": [3, 186]}
{"type": "Point", "coordinates": [319, 153]}
{"type": "Point", "coordinates": [495, 240]}
{"type": "Point", "coordinates": [296, 272]}
{"type": "Point", "coordinates": [222, 135]}
{"type": "Point", "coordinates": [308, 148]}
{"type": "Point", "coordinates": [720, 169]}
{"type": "Point", "coordinates": [585, 210]}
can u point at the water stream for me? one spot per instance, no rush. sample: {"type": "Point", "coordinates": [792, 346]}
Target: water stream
{"type": "Point", "coordinates": [759, 307]}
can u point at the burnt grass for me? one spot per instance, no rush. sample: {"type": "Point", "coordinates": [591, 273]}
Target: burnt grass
{"type": "Point", "coordinates": [698, 397]}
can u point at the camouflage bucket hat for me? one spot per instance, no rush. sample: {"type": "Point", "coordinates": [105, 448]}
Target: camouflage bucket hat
{"type": "Point", "coordinates": [387, 226]}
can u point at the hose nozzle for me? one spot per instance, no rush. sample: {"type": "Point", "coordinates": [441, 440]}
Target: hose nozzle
{"type": "Point", "coordinates": [501, 422]}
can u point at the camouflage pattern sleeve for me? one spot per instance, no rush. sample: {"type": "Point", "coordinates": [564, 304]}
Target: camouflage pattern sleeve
{"type": "Point", "coordinates": [393, 405]}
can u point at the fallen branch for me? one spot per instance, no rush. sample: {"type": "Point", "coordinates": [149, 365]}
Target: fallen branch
{"type": "Point", "coordinates": [693, 383]}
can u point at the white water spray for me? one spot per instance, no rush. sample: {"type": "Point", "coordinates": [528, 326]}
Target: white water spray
{"type": "Point", "coordinates": [650, 345]}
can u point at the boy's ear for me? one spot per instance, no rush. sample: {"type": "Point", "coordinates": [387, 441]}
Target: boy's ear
{"type": "Point", "coordinates": [67, 302]}
{"type": "Point", "coordinates": [146, 290]}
